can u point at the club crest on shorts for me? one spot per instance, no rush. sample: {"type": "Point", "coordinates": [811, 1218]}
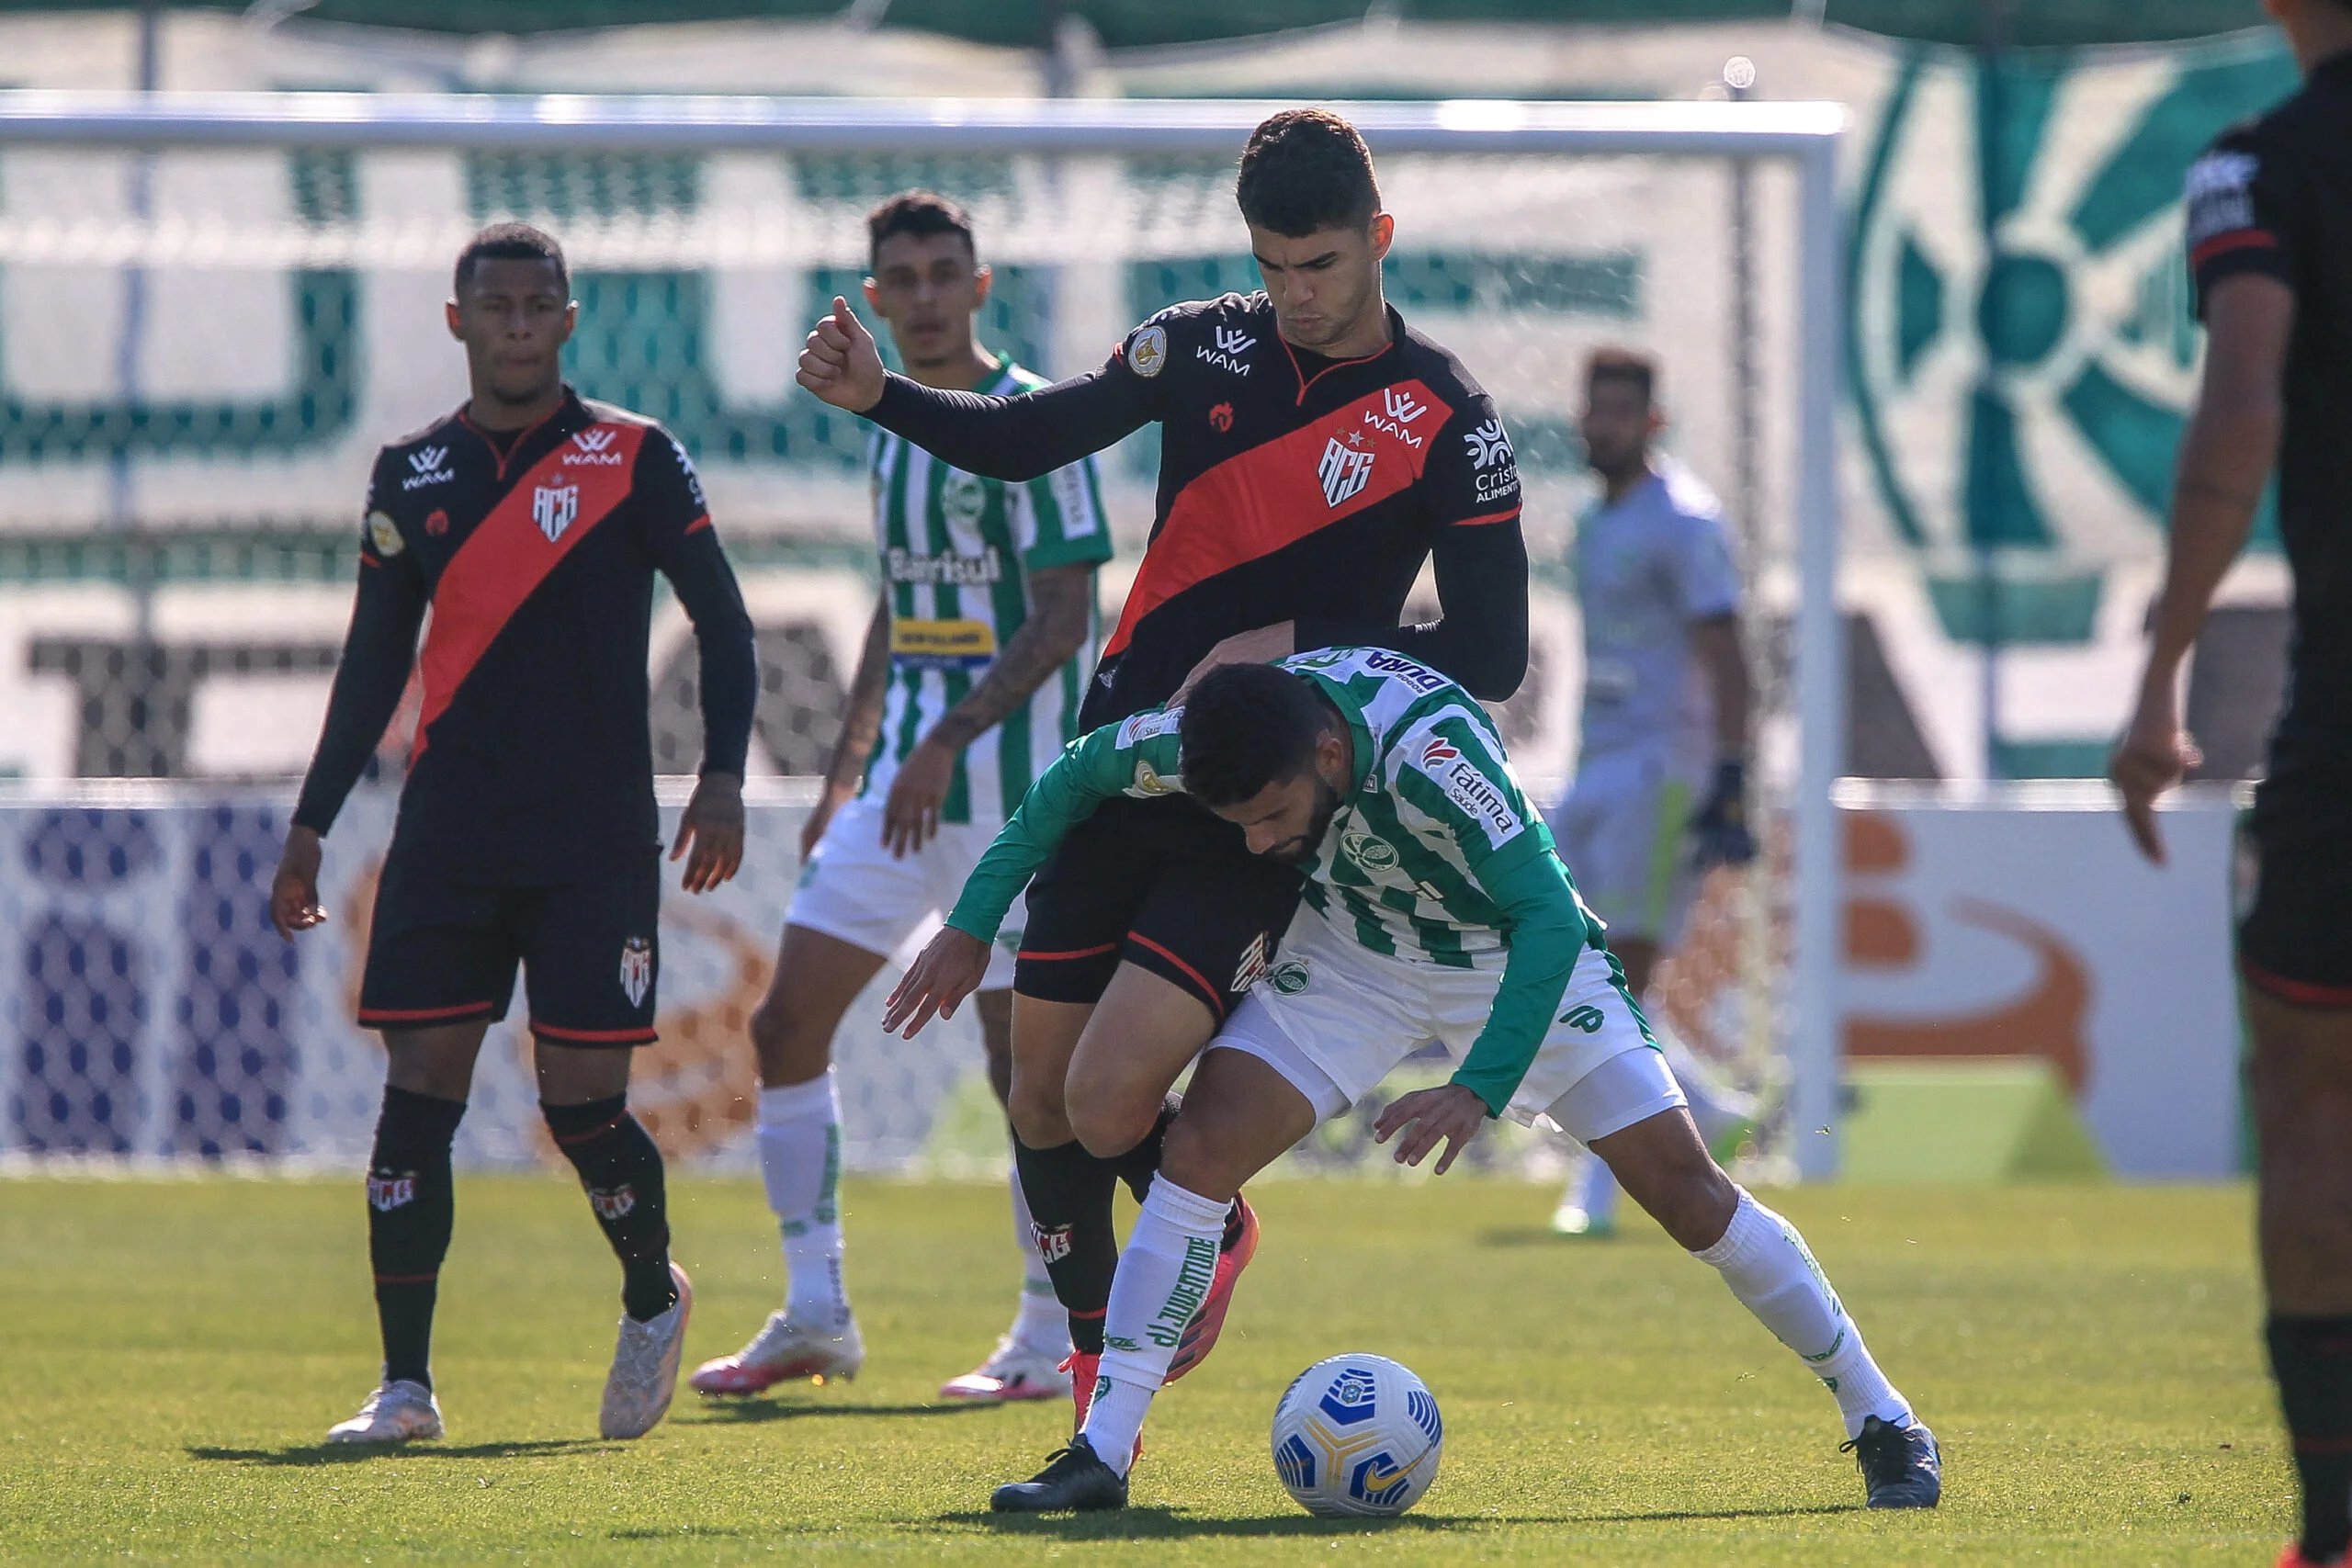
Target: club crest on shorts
{"type": "Point", "coordinates": [388, 1190]}
{"type": "Point", "coordinates": [1289, 977]}
{"type": "Point", "coordinates": [553, 508]}
{"type": "Point", "coordinates": [636, 969]}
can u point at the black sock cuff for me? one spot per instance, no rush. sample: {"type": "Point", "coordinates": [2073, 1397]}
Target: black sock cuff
{"type": "Point", "coordinates": [578, 1123]}
{"type": "Point", "coordinates": [419, 1118]}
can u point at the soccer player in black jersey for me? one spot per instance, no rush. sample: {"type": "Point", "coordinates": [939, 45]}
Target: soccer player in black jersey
{"type": "Point", "coordinates": [2270, 245]}
{"type": "Point", "coordinates": [530, 524]}
{"type": "Point", "coordinates": [1315, 452]}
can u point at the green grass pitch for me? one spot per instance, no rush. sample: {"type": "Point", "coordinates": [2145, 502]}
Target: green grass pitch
{"type": "Point", "coordinates": [2089, 1355]}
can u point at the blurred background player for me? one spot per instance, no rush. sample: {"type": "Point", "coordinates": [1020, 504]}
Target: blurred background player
{"type": "Point", "coordinates": [1315, 452]}
{"type": "Point", "coordinates": [1665, 725]}
{"type": "Point", "coordinates": [968, 689]}
{"type": "Point", "coordinates": [531, 523]}
{"type": "Point", "coordinates": [2270, 248]}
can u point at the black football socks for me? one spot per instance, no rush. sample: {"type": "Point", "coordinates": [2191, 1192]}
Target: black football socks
{"type": "Point", "coordinates": [1069, 1202]}
{"type": "Point", "coordinates": [621, 1170]}
{"type": "Point", "coordinates": [410, 1207]}
{"type": "Point", "coordinates": [2311, 1358]}
{"type": "Point", "coordinates": [1136, 1167]}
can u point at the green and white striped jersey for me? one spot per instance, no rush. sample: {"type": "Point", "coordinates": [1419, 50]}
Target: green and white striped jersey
{"type": "Point", "coordinates": [1437, 819]}
{"type": "Point", "coordinates": [1433, 856]}
{"type": "Point", "coordinates": [1410, 865]}
{"type": "Point", "coordinates": [957, 554]}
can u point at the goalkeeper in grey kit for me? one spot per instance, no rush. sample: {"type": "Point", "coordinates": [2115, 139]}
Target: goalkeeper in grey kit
{"type": "Point", "coordinates": [1436, 909]}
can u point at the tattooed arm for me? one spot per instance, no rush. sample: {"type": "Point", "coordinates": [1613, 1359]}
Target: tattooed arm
{"type": "Point", "coordinates": [1061, 606]}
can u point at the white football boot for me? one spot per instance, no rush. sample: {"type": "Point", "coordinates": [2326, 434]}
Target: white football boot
{"type": "Point", "coordinates": [784, 1350]}
{"type": "Point", "coordinates": [645, 1367]}
{"type": "Point", "coordinates": [397, 1412]}
{"type": "Point", "coordinates": [1015, 1372]}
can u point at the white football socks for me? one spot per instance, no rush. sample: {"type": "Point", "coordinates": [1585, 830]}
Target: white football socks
{"type": "Point", "coordinates": [800, 1161]}
{"type": "Point", "coordinates": [1768, 1267]}
{"type": "Point", "coordinates": [1041, 1324]}
{"type": "Point", "coordinates": [1164, 1274]}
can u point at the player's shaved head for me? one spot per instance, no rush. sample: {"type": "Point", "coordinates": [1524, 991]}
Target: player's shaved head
{"type": "Point", "coordinates": [511, 242]}
{"type": "Point", "coordinates": [1245, 727]}
{"type": "Point", "coordinates": [921, 213]}
{"type": "Point", "coordinates": [1305, 171]}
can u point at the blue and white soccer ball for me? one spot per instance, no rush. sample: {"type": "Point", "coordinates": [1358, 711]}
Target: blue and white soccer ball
{"type": "Point", "coordinates": [1357, 1435]}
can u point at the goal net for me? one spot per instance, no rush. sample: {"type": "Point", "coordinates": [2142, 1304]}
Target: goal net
{"type": "Point", "coordinates": [214, 309]}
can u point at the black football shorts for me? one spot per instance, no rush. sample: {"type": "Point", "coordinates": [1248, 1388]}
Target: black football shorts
{"type": "Point", "coordinates": [444, 951]}
{"type": "Point", "coordinates": [2296, 942]}
{"type": "Point", "coordinates": [1162, 885]}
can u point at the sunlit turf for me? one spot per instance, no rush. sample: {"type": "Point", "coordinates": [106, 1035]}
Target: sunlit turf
{"type": "Point", "coordinates": [175, 1349]}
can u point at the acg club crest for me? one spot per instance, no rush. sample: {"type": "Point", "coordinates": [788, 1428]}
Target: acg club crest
{"type": "Point", "coordinates": [553, 508]}
{"type": "Point", "coordinates": [636, 970]}
{"type": "Point", "coordinates": [1345, 470]}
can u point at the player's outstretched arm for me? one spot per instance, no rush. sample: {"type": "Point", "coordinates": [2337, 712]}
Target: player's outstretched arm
{"type": "Point", "coordinates": [1061, 608]}
{"type": "Point", "coordinates": [1548, 931]}
{"type": "Point", "coordinates": [1018, 439]}
{"type": "Point", "coordinates": [2225, 457]}
{"type": "Point", "coordinates": [1091, 770]}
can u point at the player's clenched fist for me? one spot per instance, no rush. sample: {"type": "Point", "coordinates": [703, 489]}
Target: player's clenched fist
{"type": "Point", "coordinates": [950, 968]}
{"type": "Point", "coordinates": [839, 362]}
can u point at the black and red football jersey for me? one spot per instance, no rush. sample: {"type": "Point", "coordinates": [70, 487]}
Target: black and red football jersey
{"type": "Point", "coordinates": [535, 552]}
{"type": "Point", "coordinates": [1291, 487]}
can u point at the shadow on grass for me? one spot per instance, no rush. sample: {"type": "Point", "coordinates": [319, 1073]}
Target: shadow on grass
{"type": "Point", "coordinates": [362, 1454]}
{"type": "Point", "coordinates": [1541, 1236]}
{"type": "Point", "coordinates": [1169, 1524]}
{"type": "Point", "coordinates": [719, 1412]}
{"type": "Point", "coordinates": [674, 1532]}
{"type": "Point", "coordinates": [1678, 1516]}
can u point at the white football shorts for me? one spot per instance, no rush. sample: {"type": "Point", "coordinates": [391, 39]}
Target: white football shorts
{"type": "Point", "coordinates": [1623, 832]}
{"type": "Point", "coordinates": [1334, 1018]}
{"type": "Point", "coordinates": [853, 891]}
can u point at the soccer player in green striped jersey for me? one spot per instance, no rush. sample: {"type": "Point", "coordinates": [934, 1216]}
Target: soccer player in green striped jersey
{"type": "Point", "coordinates": [1437, 908]}
{"type": "Point", "coordinates": [967, 690]}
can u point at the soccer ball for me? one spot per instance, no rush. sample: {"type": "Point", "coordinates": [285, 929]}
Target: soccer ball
{"type": "Point", "coordinates": [1357, 1435]}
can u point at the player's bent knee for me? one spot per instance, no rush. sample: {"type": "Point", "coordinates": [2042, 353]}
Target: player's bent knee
{"type": "Point", "coordinates": [1034, 1106]}
{"type": "Point", "coordinates": [791, 1047]}
{"type": "Point", "coordinates": [1108, 1127]}
{"type": "Point", "coordinates": [1203, 1159]}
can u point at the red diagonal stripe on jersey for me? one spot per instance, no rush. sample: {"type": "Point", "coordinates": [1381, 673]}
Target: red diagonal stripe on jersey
{"type": "Point", "coordinates": [504, 560]}
{"type": "Point", "coordinates": [1275, 495]}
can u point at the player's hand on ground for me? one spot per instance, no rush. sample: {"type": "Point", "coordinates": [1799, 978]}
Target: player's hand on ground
{"type": "Point", "coordinates": [820, 815]}
{"type": "Point", "coordinates": [1719, 831]}
{"type": "Point", "coordinates": [1448, 1113]}
{"type": "Point", "coordinates": [910, 812]}
{"type": "Point", "coordinates": [839, 363]}
{"type": "Point", "coordinates": [950, 968]}
{"type": "Point", "coordinates": [710, 833]}
{"type": "Point", "coordinates": [294, 891]}
{"type": "Point", "coordinates": [1262, 646]}
{"type": "Point", "coordinates": [2155, 754]}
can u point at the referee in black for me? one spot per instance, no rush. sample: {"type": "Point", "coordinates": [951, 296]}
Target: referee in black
{"type": "Point", "coordinates": [2270, 246]}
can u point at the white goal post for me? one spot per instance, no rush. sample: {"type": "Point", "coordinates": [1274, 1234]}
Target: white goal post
{"type": "Point", "coordinates": [151, 232]}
